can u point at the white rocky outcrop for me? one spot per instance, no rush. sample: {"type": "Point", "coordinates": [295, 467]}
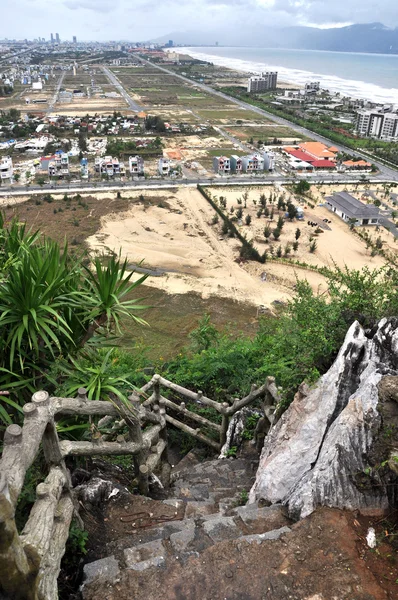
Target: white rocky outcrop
{"type": "Point", "coordinates": [313, 453]}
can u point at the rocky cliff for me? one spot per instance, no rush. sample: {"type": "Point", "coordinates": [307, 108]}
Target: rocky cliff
{"type": "Point", "coordinates": [335, 444]}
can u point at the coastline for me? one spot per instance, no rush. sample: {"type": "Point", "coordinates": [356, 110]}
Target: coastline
{"type": "Point", "coordinates": [293, 77]}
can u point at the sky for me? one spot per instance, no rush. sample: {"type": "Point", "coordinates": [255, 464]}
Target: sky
{"type": "Point", "coordinates": [141, 20]}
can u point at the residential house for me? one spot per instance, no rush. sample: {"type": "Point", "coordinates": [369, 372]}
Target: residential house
{"type": "Point", "coordinates": [252, 163]}
{"type": "Point", "coordinates": [222, 165]}
{"type": "Point", "coordinates": [236, 164]}
{"type": "Point", "coordinates": [109, 166]}
{"type": "Point", "coordinates": [164, 166]}
{"type": "Point", "coordinates": [136, 165]}
{"type": "Point", "coordinates": [58, 165]}
{"type": "Point", "coordinates": [6, 169]}
{"type": "Point", "coordinates": [84, 168]}
{"type": "Point", "coordinates": [352, 210]}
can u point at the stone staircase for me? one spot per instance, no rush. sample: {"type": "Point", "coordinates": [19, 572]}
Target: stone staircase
{"type": "Point", "coordinates": [206, 505]}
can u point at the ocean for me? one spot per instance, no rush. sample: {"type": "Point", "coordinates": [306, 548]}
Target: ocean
{"type": "Point", "coordinates": [370, 76]}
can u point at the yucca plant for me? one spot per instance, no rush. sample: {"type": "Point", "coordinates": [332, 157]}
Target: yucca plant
{"type": "Point", "coordinates": [51, 304]}
{"type": "Point", "coordinates": [107, 286]}
{"type": "Point", "coordinates": [93, 370]}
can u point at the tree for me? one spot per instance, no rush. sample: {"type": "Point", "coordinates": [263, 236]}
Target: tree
{"type": "Point", "coordinates": [267, 232]}
{"type": "Point", "coordinates": [297, 234]}
{"type": "Point", "coordinates": [276, 233]}
{"type": "Point", "coordinates": [248, 219]}
{"type": "Point", "coordinates": [313, 246]}
{"type": "Point", "coordinates": [295, 245]}
{"type": "Point", "coordinates": [280, 222]}
{"type": "Point", "coordinates": [239, 212]}
{"type": "Point", "coordinates": [292, 211]}
{"type": "Point", "coordinates": [17, 177]}
{"type": "Point", "coordinates": [41, 181]}
{"type": "Point", "coordinates": [302, 187]}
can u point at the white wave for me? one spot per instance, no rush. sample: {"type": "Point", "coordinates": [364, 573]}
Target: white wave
{"type": "Point", "coordinates": [346, 87]}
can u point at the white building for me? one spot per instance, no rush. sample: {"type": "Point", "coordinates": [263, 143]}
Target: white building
{"type": "Point", "coordinates": [262, 83]}
{"type": "Point", "coordinates": [312, 87]}
{"type": "Point", "coordinates": [109, 166]}
{"type": "Point", "coordinates": [6, 169]}
{"type": "Point", "coordinates": [378, 123]}
{"type": "Point", "coordinates": [164, 166]}
{"type": "Point", "coordinates": [136, 165]}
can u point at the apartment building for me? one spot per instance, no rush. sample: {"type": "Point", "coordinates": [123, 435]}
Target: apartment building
{"type": "Point", "coordinates": [109, 166]}
{"type": "Point", "coordinates": [378, 123]}
{"type": "Point", "coordinates": [58, 165]}
{"type": "Point", "coordinates": [6, 169]}
{"type": "Point", "coordinates": [222, 165]}
{"type": "Point", "coordinates": [262, 83]}
{"type": "Point", "coordinates": [136, 165]}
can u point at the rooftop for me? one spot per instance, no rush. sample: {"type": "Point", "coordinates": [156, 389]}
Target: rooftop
{"type": "Point", "coordinates": [352, 207]}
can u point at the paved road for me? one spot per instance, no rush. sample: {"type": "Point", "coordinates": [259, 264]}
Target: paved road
{"type": "Point", "coordinates": [55, 97]}
{"type": "Point", "coordinates": [84, 186]}
{"type": "Point", "coordinates": [115, 81]}
{"type": "Point", "coordinates": [386, 172]}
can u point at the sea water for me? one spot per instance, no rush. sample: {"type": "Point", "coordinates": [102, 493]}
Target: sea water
{"type": "Point", "coordinates": [358, 75]}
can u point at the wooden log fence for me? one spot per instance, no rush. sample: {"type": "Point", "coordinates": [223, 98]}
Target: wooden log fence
{"type": "Point", "coordinates": [30, 560]}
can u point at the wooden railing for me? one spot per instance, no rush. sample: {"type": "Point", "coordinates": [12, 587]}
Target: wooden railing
{"type": "Point", "coordinates": [30, 561]}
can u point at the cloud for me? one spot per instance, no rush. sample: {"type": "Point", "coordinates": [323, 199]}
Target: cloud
{"type": "Point", "coordinates": [101, 6]}
{"type": "Point", "coordinates": [149, 19]}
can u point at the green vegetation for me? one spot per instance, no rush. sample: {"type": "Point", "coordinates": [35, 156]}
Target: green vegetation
{"type": "Point", "coordinates": [52, 305]}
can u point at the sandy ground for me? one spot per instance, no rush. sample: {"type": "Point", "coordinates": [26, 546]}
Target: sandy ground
{"type": "Point", "coordinates": [182, 241]}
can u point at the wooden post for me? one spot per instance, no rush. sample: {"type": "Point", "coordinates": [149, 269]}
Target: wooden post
{"type": "Point", "coordinates": [82, 394]}
{"type": "Point", "coordinates": [224, 424]}
{"type": "Point", "coordinates": [143, 485]}
{"type": "Point", "coordinates": [156, 388]}
{"type": "Point", "coordinates": [163, 433]}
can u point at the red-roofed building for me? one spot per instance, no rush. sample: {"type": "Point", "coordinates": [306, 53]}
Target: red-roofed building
{"type": "Point", "coordinates": [301, 155]}
{"type": "Point", "coordinates": [323, 164]}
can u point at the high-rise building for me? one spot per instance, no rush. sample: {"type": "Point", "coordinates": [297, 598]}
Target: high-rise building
{"type": "Point", "coordinates": [52, 38]}
{"type": "Point", "coordinates": [74, 39]}
{"type": "Point", "coordinates": [267, 81]}
{"type": "Point", "coordinates": [377, 123]}
{"type": "Point", "coordinates": [57, 38]}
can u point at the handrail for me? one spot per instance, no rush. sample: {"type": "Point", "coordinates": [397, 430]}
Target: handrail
{"type": "Point", "coordinates": [30, 561]}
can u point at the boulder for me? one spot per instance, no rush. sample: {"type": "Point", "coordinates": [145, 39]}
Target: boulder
{"type": "Point", "coordinates": [315, 452]}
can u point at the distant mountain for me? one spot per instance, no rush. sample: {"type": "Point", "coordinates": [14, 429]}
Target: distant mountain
{"type": "Point", "coordinates": [369, 37]}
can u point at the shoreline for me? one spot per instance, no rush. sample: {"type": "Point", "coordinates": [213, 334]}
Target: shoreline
{"type": "Point", "coordinates": [297, 77]}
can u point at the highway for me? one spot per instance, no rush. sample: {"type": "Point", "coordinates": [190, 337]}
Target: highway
{"type": "Point", "coordinates": [387, 172]}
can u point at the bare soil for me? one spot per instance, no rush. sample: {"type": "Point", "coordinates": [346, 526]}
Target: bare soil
{"type": "Point", "coordinates": [325, 557]}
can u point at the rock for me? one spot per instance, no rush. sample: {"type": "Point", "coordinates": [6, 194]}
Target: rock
{"type": "Point", "coordinates": [236, 428]}
{"type": "Point", "coordinates": [181, 539]}
{"type": "Point", "coordinates": [96, 491]}
{"type": "Point", "coordinates": [105, 569]}
{"type": "Point", "coordinates": [312, 455]}
{"type": "Point", "coordinates": [144, 556]}
{"type": "Point", "coordinates": [388, 388]}
{"type": "Point", "coordinates": [275, 534]}
{"type": "Point", "coordinates": [220, 528]}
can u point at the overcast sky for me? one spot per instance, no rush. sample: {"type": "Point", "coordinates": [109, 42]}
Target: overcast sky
{"type": "Point", "coordinates": [138, 20]}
